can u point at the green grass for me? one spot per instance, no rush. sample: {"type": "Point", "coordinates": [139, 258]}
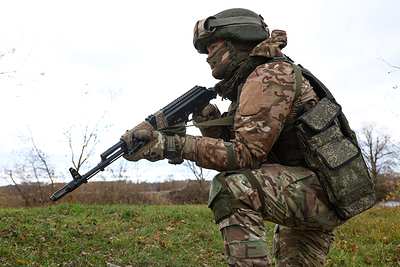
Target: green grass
{"type": "Point", "coordinates": [369, 239]}
{"type": "Point", "coordinates": [80, 235]}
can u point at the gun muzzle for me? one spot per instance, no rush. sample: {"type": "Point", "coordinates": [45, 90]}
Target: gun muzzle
{"type": "Point", "coordinates": [77, 181]}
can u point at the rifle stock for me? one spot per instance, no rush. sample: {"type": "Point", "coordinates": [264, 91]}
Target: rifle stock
{"type": "Point", "coordinates": [178, 111]}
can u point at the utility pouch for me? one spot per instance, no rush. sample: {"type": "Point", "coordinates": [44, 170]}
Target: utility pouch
{"type": "Point", "coordinates": [336, 159]}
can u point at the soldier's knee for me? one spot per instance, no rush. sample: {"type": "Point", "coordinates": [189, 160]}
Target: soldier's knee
{"type": "Point", "coordinates": [220, 199]}
{"type": "Point", "coordinates": [223, 201]}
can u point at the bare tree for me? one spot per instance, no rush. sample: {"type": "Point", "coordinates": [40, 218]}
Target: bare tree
{"type": "Point", "coordinates": [83, 145]}
{"type": "Point", "coordinates": [89, 139]}
{"type": "Point", "coordinates": [396, 101]}
{"type": "Point", "coordinates": [43, 162]}
{"type": "Point", "coordinates": [200, 176]}
{"type": "Point", "coordinates": [390, 65]}
{"type": "Point", "coordinates": [380, 151]}
{"type": "Point", "coordinates": [115, 191]}
{"type": "Point", "coordinates": [140, 169]}
{"type": "Point", "coordinates": [31, 175]}
{"type": "Point", "coordinates": [120, 175]}
{"type": "Point", "coordinates": [3, 54]}
{"type": "Point", "coordinates": [82, 152]}
{"type": "Point", "coordinates": [17, 186]}
{"type": "Point", "coordinates": [11, 51]}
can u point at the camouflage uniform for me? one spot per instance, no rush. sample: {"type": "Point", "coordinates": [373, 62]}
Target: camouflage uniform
{"type": "Point", "coordinates": [264, 103]}
{"type": "Point", "coordinates": [295, 202]}
{"type": "Point", "coordinates": [294, 198]}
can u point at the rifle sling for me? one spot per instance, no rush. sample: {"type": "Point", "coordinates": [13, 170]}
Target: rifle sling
{"type": "Point", "coordinates": [217, 122]}
{"type": "Point", "coordinates": [255, 184]}
{"type": "Point", "coordinates": [238, 204]}
{"type": "Point", "coordinates": [231, 157]}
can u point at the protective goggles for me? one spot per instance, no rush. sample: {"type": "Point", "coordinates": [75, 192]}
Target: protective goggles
{"type": "Point", "coordinates": [207, 26]}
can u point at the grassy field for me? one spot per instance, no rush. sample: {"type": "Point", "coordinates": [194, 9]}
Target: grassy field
{"type": "Point", "coordinates": [79, 235]}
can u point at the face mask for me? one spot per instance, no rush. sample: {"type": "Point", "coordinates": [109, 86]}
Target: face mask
{"type": "Point", "coordinates": [219, 61]}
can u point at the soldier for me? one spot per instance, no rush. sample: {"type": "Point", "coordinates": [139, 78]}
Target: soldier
{"type": "Point", "coordinates": [263, 173]}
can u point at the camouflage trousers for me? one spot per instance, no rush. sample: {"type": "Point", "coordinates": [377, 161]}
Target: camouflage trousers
{"type": "Point", "coordinates": [295, 201]}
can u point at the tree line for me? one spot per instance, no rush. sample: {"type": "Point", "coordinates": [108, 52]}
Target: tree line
{"type": "Point", "coordinates": [34, 178]}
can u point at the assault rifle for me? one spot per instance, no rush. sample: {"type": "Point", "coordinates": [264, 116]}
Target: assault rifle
{"type": "Point", "coordinates": [178, 111]}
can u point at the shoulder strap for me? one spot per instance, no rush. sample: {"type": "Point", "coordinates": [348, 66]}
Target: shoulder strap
{"type": "Point", "coordinates": [297, 72]}
{"type": "Point", "coordinates": [299, 81]}
{"type": "Point", "coordinates": [322, 91]}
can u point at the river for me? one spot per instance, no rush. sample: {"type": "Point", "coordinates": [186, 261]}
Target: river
{"type": "Point", "coordinates": [388, 203]}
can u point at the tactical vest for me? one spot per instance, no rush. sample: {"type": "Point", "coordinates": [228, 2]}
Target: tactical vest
{"type": "Point", "coordinates": [319, 139]}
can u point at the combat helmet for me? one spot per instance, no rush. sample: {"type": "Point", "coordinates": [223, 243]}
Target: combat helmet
{"type": "Point", "coordinates": [235, 24]}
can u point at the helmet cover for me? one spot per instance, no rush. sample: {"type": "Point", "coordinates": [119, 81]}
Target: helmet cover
{"type": "Point", "coordinates": [237, 24]}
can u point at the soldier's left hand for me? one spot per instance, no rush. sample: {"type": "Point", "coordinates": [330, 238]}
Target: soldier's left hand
{"type": "Point", "coordinates": [154, 148]}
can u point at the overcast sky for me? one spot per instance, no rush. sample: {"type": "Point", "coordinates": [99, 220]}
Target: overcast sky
{"type": "Point", "coordinates": [76, 60]}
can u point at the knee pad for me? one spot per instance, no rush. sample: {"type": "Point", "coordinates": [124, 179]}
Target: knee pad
{"type": "Point", "coordinates": [220, 198]}
{"type": "Point", "coordinates": [221, 201]}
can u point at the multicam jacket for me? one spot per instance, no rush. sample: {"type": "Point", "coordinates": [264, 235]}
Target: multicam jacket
{"type": "Point", "coordinates": [266, 103]}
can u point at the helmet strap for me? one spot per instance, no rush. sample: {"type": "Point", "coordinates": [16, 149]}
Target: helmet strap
{"type": "Point", "coordinates": [235, 61]}
{"type": "Point", "coordinates": [232, 51]}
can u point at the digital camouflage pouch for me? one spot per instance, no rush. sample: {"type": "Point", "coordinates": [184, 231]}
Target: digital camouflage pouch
{"type": "Point", "coordinates": [336, 158]}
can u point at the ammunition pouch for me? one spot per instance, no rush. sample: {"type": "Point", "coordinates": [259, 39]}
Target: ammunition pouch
{"type": "Point", "coordinates": [336, 158]}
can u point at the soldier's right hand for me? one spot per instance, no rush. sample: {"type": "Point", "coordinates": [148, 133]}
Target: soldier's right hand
{"type": "Point", "coordinates": [209, 112]}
